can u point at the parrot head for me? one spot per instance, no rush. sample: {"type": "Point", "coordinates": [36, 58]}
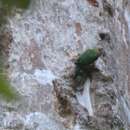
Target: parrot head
{"type": "Point", "coordinates": [100, 51]}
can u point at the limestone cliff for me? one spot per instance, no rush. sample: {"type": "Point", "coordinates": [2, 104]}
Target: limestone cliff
{"type": "Point", "coordinates": [45, 42]}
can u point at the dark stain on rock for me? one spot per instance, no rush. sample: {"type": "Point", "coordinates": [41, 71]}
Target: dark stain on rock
{"type": "Point", "coordinates": [33, 54]}
{"type": "Point", "coordinates": [104, 36]}
{"type": "Point", "coordinates": [93, 3]}
{"type": "Point", "coordinates": [78, 28]}
{"type": "Point", "coordinates": [5, 41]}
{"type": "Point", "coordinates": [63, 104]}
{"type": "Point", "coordinates": [108, 8]}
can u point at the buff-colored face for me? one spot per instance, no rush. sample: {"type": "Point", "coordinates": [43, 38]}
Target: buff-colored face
{"type": "Point", "coordinates": [100, 51]}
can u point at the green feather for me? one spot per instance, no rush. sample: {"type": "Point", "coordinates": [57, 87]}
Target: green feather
{"type": "Point", "coordinates": [84, 64]}
{"type": "Point", "coordinates": [88, 57]}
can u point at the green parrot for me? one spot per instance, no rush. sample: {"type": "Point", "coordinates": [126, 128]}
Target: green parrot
{"type": "Point", "coordinates": [85, 64]}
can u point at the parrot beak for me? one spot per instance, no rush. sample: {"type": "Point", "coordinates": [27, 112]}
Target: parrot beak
{"type": "Point", "coordinates": [100, 50]}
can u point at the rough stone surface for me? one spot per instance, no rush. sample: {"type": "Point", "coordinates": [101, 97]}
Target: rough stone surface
{"type": "Point", "coordinates": [43, 44]}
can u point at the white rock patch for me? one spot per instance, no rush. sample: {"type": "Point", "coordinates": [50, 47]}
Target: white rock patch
{"type": "Point", "coordinates": [126, 108]}
{"type": "Point", "coordinates": [40, 121]}
{"type": "Point", "coordinates": [44, 77]}
{"type": "Point", "coordinates": [85, 99]}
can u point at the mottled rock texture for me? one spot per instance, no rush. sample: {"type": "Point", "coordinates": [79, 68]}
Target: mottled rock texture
{"type": "Point", "coordinates": [43, 45]}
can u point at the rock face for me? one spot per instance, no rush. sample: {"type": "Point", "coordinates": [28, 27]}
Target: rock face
{"type": "Point", "coordinates": [45, 42]}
